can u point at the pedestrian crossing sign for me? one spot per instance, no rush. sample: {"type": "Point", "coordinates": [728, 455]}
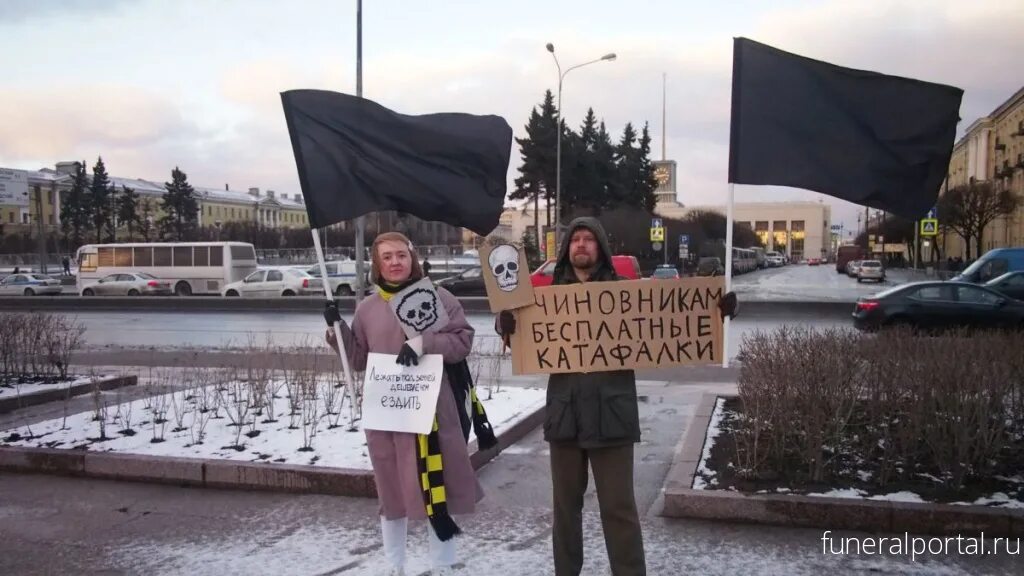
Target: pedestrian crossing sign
{"type": "Point", "coordinates": [929, 227]}
{"type": "Point", "coordinates": [657, 234]}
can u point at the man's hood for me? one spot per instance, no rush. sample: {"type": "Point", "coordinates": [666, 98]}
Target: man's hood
{"type": "Point", "coordinates": [563, 267]}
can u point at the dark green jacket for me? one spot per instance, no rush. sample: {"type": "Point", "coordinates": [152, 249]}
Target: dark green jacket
{"type": "Point", "coordinates": [598, 409]}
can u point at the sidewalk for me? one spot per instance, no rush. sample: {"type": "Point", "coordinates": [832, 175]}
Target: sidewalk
{"type": "Point", "coordinates": [51, 525]}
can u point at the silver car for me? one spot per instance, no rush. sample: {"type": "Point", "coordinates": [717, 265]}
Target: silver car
{"type": "Point", "coordinates": [128, 284]}
{"type": "Point", "coordinates": [274, 283]}
{"type": "Point", "coordinates": [870, 270]}
{"type": "Point", "coordinates": [29, 285]}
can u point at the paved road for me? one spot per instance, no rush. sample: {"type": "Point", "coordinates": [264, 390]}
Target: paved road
{"type": "Point", "coordinates": [812, 283]}
{"type": "Point", "coordinates": [54, 525]}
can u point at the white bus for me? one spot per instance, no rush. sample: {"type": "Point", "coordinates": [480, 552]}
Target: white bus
{"type": "Point", "coordinates": [191, 267]}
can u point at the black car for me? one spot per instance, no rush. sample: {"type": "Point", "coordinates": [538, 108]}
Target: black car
{"type": "Point", "coordinates": [1011, 284]}
{"type": "Point", "coordinates": [468, 283]}
{"type": "Point", "coordinates": [939, 306]}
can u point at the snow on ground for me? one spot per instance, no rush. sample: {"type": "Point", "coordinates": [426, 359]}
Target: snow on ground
{"type": "Point", "coordinates": [706, 477]}
{"type": "Point", "coordinates": [15, 390]}
{"type": "Point", "coordinates": [276, 442]}
{"type": "Point", "coordinates": [902, 496]}
{"type": "Point", "coordinates": [997, 500]}
{"type": "Point", "coordinates": [840, 493]}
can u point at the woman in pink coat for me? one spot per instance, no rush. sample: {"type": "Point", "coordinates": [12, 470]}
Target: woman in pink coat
{"type": "Point", "coordinates": [375, 328]}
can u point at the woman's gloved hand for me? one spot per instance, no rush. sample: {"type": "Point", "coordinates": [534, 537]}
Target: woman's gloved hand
{"type": "Point", "coordinates": [411, 351]}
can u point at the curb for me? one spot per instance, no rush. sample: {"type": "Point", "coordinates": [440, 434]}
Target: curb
{"type": "Point", "coordinates": [42, 397]}
{"type": "Point", "coordinates": [207, 473]}
{"type": "Point", "coordinates": [681, 501]}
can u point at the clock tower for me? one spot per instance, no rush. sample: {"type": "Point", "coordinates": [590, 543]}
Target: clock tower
{"type": "Point", "coordinates": [665, 174]}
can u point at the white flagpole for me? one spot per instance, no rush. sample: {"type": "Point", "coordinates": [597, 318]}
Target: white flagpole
{"type": "Point", "coordinates": [728, 270]}
{"type": "Point", "coordinates": [349, 388]}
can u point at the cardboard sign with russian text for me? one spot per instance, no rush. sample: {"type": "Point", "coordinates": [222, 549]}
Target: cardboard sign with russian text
{"type": "Point", "coordinates": [400, 398]}
{"type": "Point", "coordinates": [603, 326]}
{"type": "Point", "coordinates": [506, 277]}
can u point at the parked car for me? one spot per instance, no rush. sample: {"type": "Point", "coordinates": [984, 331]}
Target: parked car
{"type": "Point", "coordinates": [665, 272]}
{"type": "Point", "coordinates": [130, 284]}
{"type": "Point", "coordinates": [993, 264]}
{"type": "Point", "coordinates": [29, 285]}
{"type": "Point", "coordinates": [468, 283]}
{"type": "Point", "coordinates": [625, 266]}
{"type": "Point", "coordinates": [710, 266]}
{"type": "Point", "coordinates": [775, 260]}
{"type": "Point", "coordinates": [341, 275]}
{"type": "Point", "coordinates": [274, 283]}
{"type": "Point", "coordinates": [870, 270]}
{"type": "Point", "coordinates": [939, 305]}
{"type": "Point", "coordinates": [814, 261]}
{"type": "Point", "coordinates": [1010, 284]}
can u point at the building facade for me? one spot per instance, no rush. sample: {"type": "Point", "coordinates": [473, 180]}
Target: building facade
{"type": "Point", "coordinates": [798, 230]}
{"type": "Point", "coordinates": [991, 150]}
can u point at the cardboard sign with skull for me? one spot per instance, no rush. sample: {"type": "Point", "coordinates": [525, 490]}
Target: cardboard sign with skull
{"type": "Point", "coordinates": [419, 309]}
{"type": "Point", "coordinates": [506, 277]}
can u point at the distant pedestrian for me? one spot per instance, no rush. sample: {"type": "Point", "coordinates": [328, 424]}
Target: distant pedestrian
{"type": "Point", "coordinates": [16, 270]}
{"type": "Point", "coordinates": [426, 268]}
{"type": "Point", "coordinates": [67, 265]}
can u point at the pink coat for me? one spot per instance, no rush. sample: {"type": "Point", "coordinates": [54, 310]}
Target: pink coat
{"type": "Point", "coordinates": [393, 454]}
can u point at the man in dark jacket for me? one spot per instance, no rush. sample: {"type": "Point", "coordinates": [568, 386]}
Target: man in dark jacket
{"type": "Point", "coordinates": [592, 419]}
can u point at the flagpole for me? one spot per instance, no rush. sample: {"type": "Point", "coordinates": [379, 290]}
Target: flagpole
{"type": "Point", "coordinates": [361, 220]}
{"type": "Point", "coordinates": [728, 270]}
{"type": "Point", "coordinates": [342, 353]}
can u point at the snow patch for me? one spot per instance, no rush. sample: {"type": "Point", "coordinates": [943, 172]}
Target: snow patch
{"type": "Point", "coordinates": [276, 442]}
{"type": "Point", "coordinates": [705, 476]}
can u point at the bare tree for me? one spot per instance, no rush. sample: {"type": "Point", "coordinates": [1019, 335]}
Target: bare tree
{"type": "Point", "coordinates": [968, 210]}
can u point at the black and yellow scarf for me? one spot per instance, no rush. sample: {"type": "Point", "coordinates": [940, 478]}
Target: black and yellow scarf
{"type": "Point", "coordinates": [461, 381]}
{"type": "Point", "coordinates": [429, 461]}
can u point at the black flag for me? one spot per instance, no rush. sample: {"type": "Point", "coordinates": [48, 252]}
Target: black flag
{"type": "Point", "coordinates": [877, 140]}
{"type": "Point", "coordinates": [355, 157]}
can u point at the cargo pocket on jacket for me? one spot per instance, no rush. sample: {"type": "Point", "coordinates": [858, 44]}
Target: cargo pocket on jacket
{"type": "Point", "coordinates": [619, 415]}
{"type": "Point", "coordinates": [559, 420]}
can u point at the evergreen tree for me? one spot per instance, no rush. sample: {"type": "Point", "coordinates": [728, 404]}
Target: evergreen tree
{"type": "Point", "coordinates": [181, 208]}
{"type": "Point", "coordinates": [626, 167]}
{"type": "Point", "coordinates": [646, 183]}
{"type": "Point", "coordinates": [74, 210]}
{"type": "Point", "coordinates": [604, 162]}
{"type": "Point", "coordinates": [538, 151]}
{"type": "Point", "coordinates": [583, 187]}
{"type": "Point", "coordinates": [128, 210]}
{"type": "Point", "coordinates": [146, 220]}
{"type": "Point", "coordinates": [99, 199]}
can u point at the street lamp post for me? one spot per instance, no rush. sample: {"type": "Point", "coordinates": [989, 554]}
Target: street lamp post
{"type": "Point", "coordinates": [558, 146]}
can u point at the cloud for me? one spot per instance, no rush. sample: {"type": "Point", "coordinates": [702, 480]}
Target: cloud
{"type": "Point", "coordinates": [81, 119]}
{"type": "Point", "coordinates": [17, 11]}
{"type": "Point", "coordinates": [232, 130]}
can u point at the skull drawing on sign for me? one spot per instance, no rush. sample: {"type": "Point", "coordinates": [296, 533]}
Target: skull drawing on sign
{"type": "Point", "coordinates": [418, 309]}
{"type": "Point", "coordinates": [504, 263]}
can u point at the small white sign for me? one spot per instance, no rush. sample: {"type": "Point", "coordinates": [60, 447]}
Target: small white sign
{"type": "Point", "coordinates": [397, 398]}
{"type": "Point", "coordinates": [419, 309]}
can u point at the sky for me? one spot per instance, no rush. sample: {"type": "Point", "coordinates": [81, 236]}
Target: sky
{"type": "Point", "coordinates": [153, 84]}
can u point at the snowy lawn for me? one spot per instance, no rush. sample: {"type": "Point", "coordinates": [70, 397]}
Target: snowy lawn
{"type": "Point", "coordinates": [231, 421]}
